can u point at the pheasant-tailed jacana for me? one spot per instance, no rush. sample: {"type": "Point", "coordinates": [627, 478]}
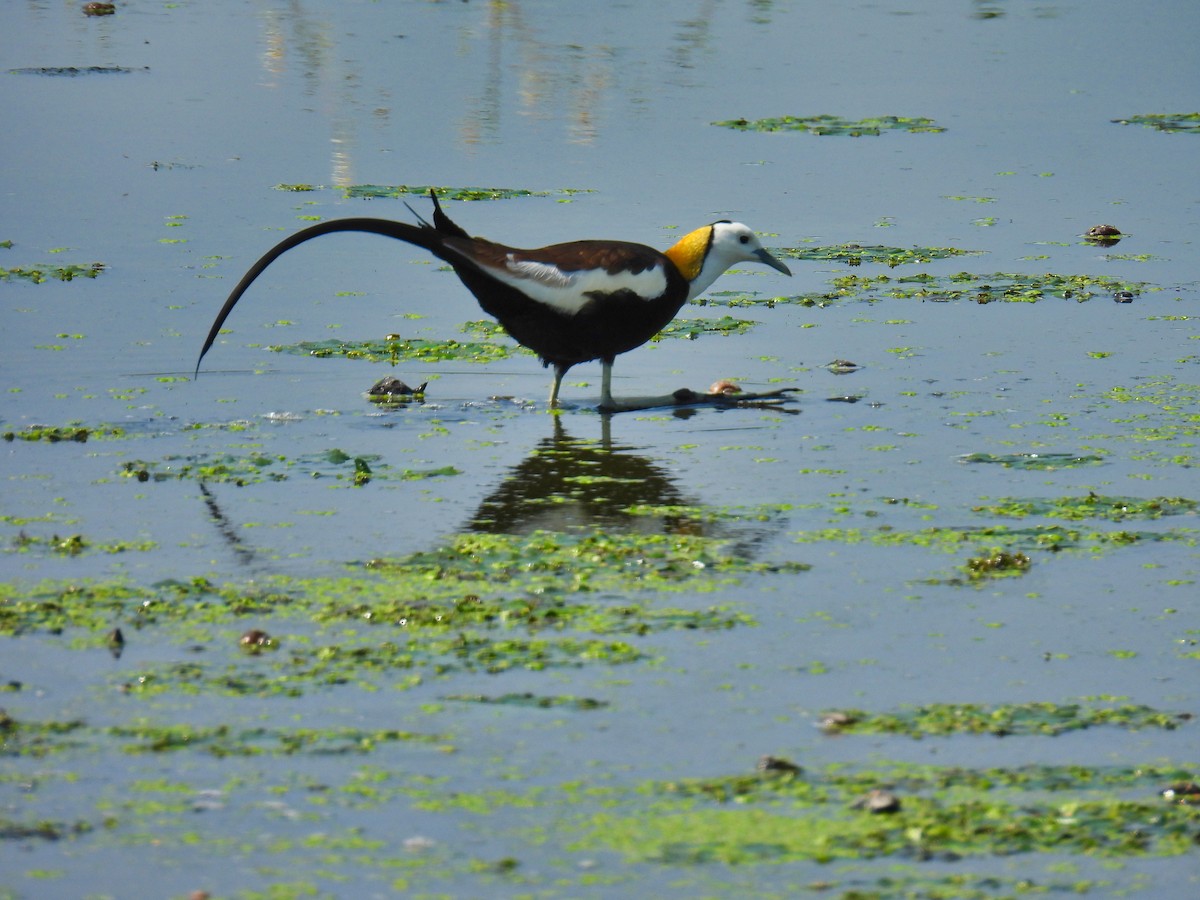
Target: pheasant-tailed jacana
{"type": "Point", "coordinates": [568, 303]}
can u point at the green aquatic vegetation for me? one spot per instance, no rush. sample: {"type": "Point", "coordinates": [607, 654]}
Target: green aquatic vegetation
{"type": "Point", "coordinates": [294, 672]}
{"type": "Point", "coordinates": [857, 254]}
{"type": "Point", "coordinates": [395, 350]}
{"type": "Point", "coordinates": [1001, 539]}
{"type": "Point", "coordinates": [37, 739]}
{"type": "Point", "coordinates": [255, 468]}
{"type": "Point", "coordinates": [485, 603]}
{"type": "Point", "coordinates": [940, 813]}
{"type": "Point", "coordinates": [835, 125]}
{"type": "Point", "coordinates": [1176, 123]}
{"type": "Point", "coordinates": [690, 329]}
{"type": "Point", "coordinates": [53, 434]}
{"type": "Point", "coordinates": [985, 288]}
{"type": "Point", "coordinates": [836, 782]}
{"type": "Point", "coordinates": [474, 581]}
{"type": "Point", "coordinates": [38, 274]}
{"type": "Point", "coordinates": [1160, 417]}
{"type": "Point", "coordinates": [42, 830]}
{"type": "Point", "coordinates": [1047, 719]}
{"type": "Point", "coordinates": [225, 740]}
{"type": "Point", "coordinates": [373, 191]}
{"type": "Point", "coordinates": [74, 545]}
{"type": "Point", "coordinates": [1131, 257]}
{"type": "Point", "coordinates": [763, 512]}
{"type": "Point", "coordinates": [1091, 506]}
{"type": "Point", "coordinates": [20, 737]}
{"type": "Point", "coordinates": [944, 826]}
{"type": "Point", "coordinates": [483, 329]}
{"type": "Point", "coordinates": [555, 563]}
{"type": "Point", "coordinates": [734, 299]}
{"type": "Point", "coordinates": [1176, 399]}
{"type": "Point", "coordinates": [1041, 462]}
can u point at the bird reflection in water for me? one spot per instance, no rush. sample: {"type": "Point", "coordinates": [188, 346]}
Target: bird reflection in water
{"type": "Point", "coordinates": [573, 485]}
{"type": "Point", "coordinates": [569, 484]}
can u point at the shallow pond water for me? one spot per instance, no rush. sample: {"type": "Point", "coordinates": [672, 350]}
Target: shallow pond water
{"type": "Point", "coordinates": [501, 652]}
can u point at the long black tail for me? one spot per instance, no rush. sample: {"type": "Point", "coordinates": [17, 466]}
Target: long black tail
{"type": "Point", "coordinates": [422, 235]}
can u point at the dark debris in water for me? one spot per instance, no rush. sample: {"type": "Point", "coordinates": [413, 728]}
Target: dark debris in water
{"type": "Point", "coordinates": [395, 191]}
{"type": "Point", "coordinates": [76, 71]}
{"type": "Point", "coordinates": [997, 564]}
{"type": "Point", "coordinates": [1103, 235]}
{"type": "Point", "coordinates": [531, 701]}
{"type": "Point", "coordinates": [392, 391]}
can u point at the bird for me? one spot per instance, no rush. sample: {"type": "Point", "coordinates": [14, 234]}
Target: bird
{"type": "Point", "coordinates": [569, 303]}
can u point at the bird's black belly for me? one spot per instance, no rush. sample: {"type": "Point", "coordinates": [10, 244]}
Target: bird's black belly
{"type": "Point", "coordinates": [606, 325]}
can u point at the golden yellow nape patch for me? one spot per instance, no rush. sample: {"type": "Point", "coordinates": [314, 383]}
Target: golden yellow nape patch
{"type": "Point", "coordinates": [689, 251]}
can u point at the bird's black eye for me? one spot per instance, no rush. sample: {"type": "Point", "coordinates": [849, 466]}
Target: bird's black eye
{"type": "Point", "coordinates": [745, 239]}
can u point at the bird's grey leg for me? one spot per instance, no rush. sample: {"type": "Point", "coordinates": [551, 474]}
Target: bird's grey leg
{"type": "Point", "coordinates": [559, 372]}
{"type": "Point", "coordinates": [606, 397]}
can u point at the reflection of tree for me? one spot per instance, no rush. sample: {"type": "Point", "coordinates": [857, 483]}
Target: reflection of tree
{"type": "Point", "coordinates": [579, 73]}
{"type": "Point", "coordinates": [547, 70]}
{"type": "Point", "coordinates": [567, 484]}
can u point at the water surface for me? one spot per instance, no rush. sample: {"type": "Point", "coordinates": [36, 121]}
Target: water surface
{"type": "Point", "coordinates": [836, 537]}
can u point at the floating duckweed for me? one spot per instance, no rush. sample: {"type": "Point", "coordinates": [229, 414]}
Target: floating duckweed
{"type": "Point", "coordinates": [1035, 461]}
{"type": "Point", "coordinates": [941, 719]}
{"type": "Point", "coordinates": [39, 274]}
{"type": "Point", "coordinates": [75, 544]}
{"type": "Point", "coordinates": [985, 288]}
{"type": "Point", "coordinates": [74, 432]}
{"type": "Point", "coordinates": [255, 468]}
{"type": "Point", "coordinates": [407, 349]}
{"type": "Point", "coordinates": [1092, 506]}
{"type": "Point", "coordinates": [38, 739]}
{"type": "Point", "coordinates": [690, 329]}
{"type": "Point", "coordinates": [1182, 123]}
{"type": "Point", "coordinates": [835, 125]}
{"type": "Point", "coordinates": [857, 254]}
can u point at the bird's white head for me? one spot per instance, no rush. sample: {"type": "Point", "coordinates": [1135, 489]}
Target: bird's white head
{"type": "Point", "coordinates": [704, 254]}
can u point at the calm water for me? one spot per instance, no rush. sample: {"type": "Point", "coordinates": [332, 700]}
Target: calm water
{"type": "Point", "coordinates": [166, 172]}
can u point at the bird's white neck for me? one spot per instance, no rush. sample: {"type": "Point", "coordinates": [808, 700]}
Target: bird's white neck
{"type": "Point", "coordinates": [710, 271]}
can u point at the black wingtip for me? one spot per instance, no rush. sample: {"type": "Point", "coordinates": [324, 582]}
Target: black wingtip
{"type": "Point", "coordinates": [442, 222]}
